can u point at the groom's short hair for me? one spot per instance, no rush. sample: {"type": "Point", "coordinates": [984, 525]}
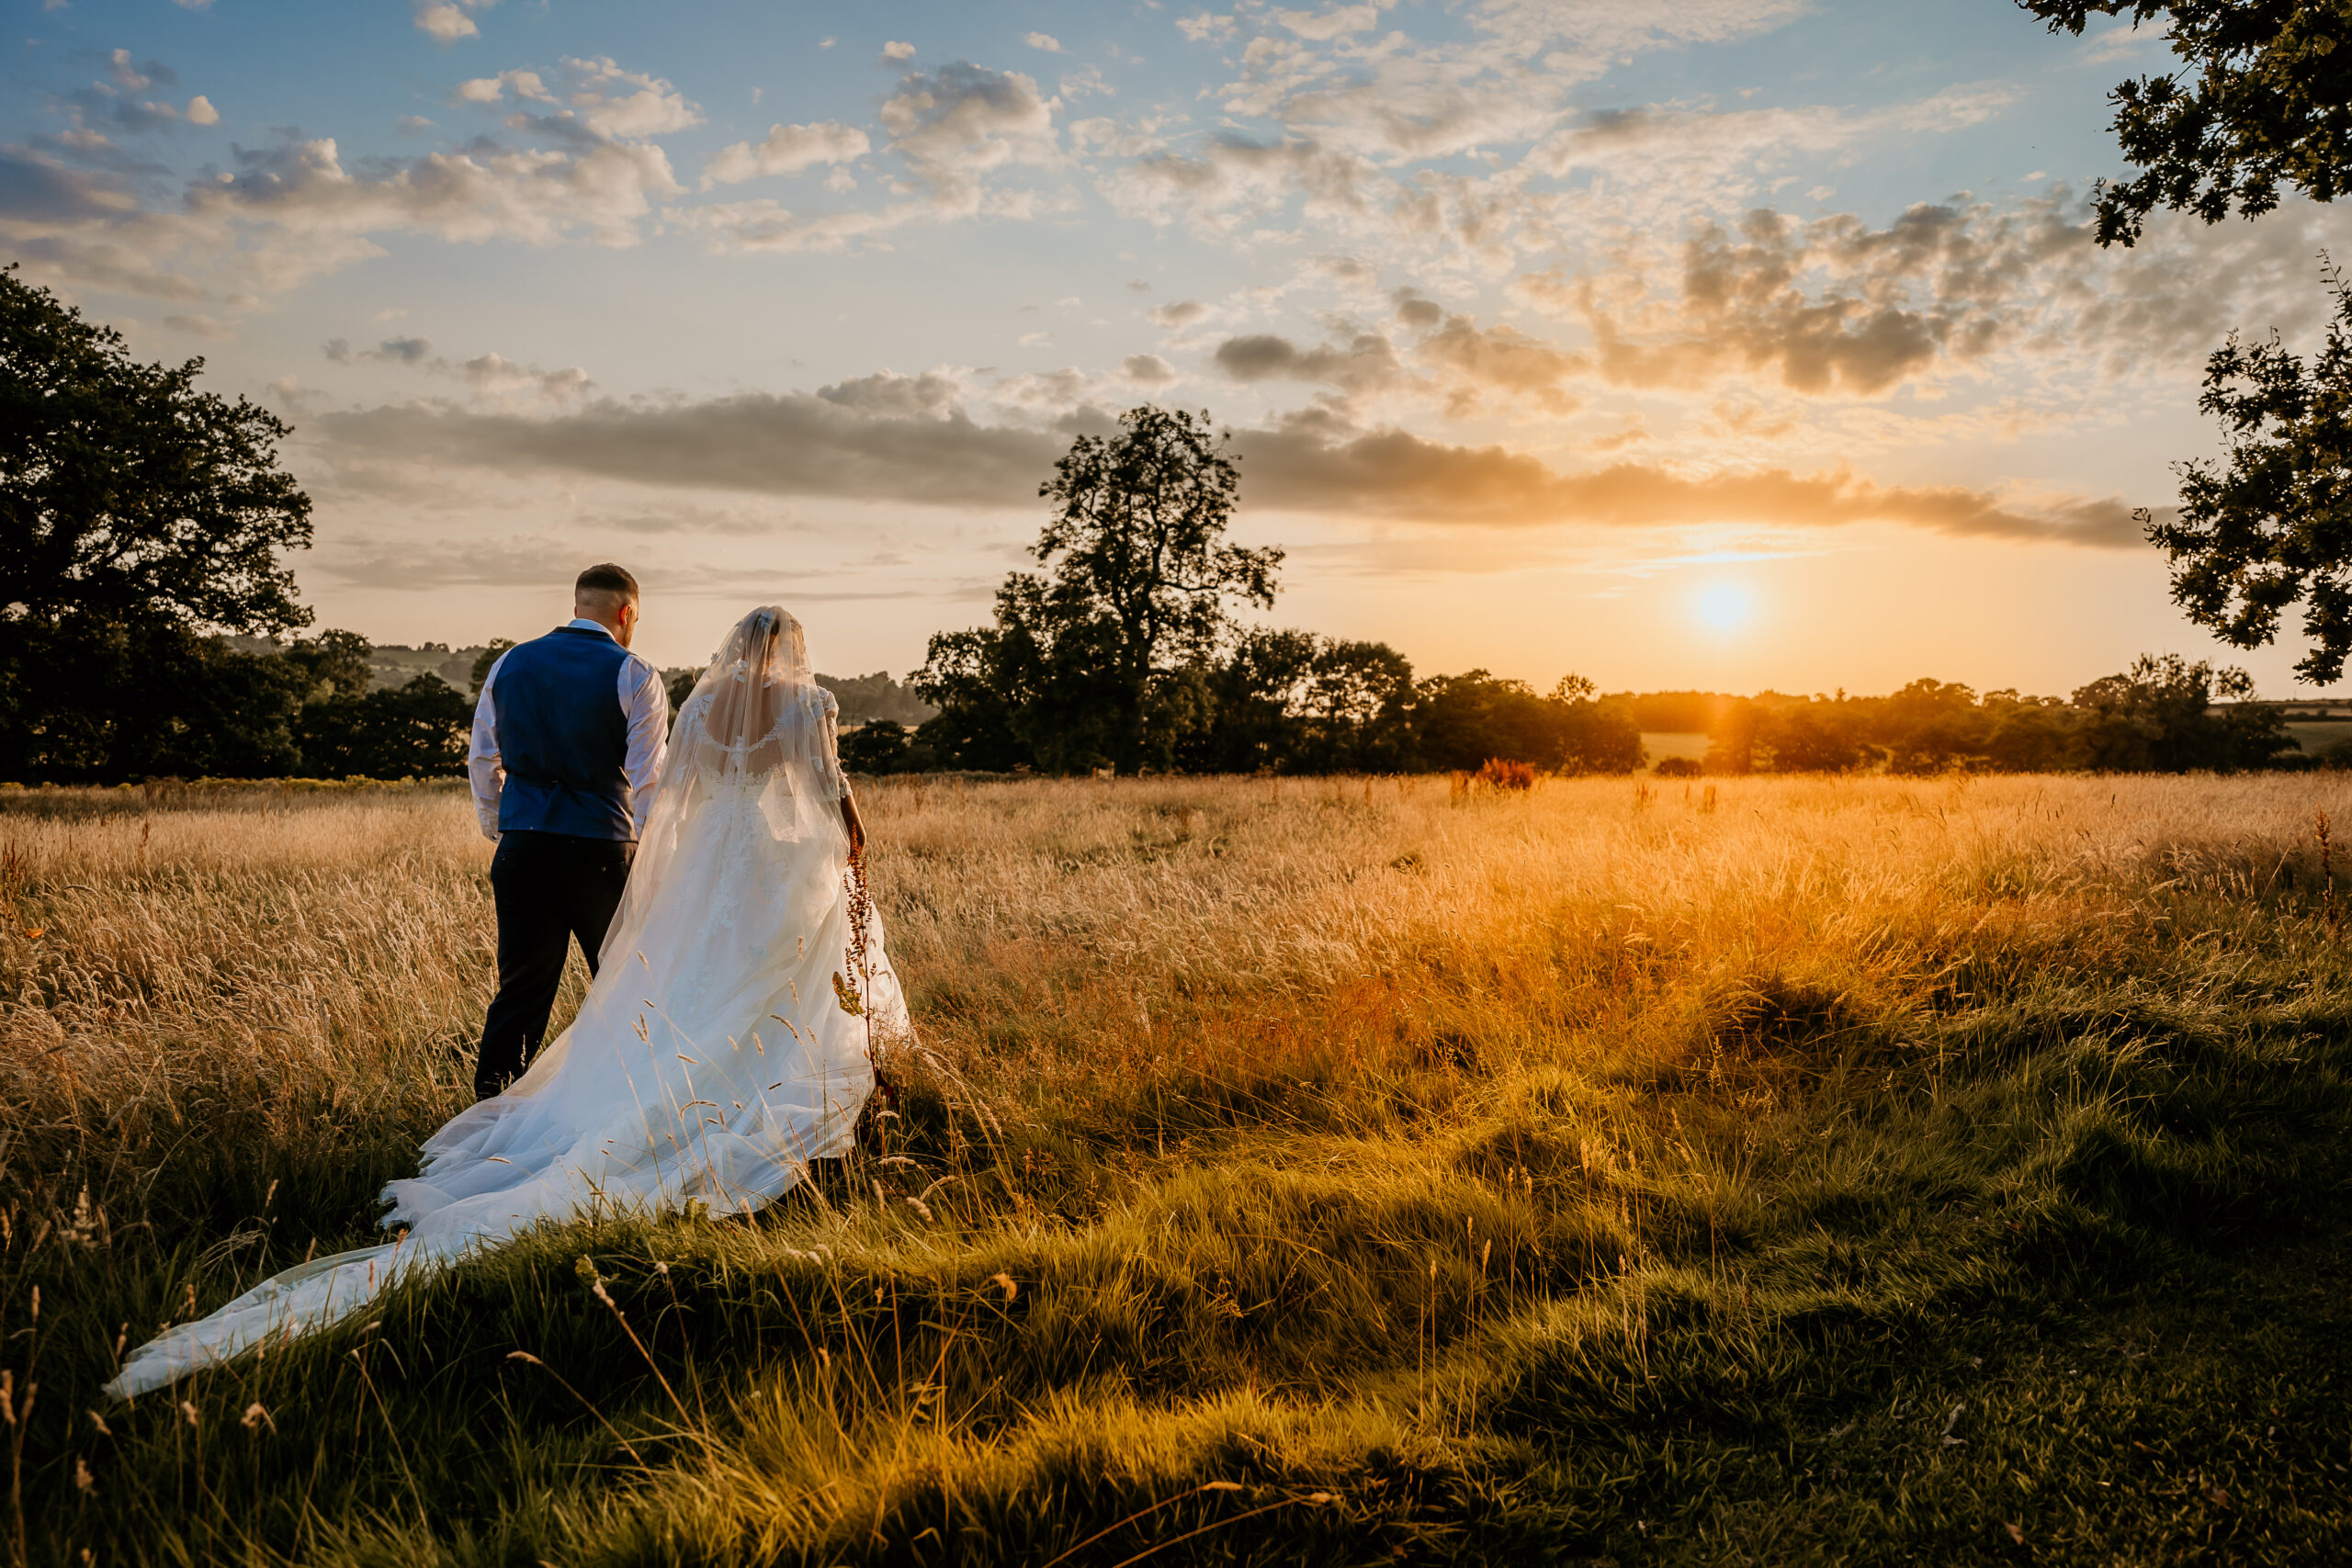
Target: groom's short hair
{"type": "Point", "coordinates": [605, 587]}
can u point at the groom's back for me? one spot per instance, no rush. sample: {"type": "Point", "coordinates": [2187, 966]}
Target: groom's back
{"type": "Point", "coordinates": [564, 735]}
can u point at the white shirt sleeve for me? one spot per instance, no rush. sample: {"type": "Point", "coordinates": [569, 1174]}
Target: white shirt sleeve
{"type": "Point", "coordinates": [646, 704]}
{"type": "Point", "coordinates": [484, 767]}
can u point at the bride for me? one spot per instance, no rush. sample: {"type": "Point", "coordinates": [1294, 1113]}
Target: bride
{"type": "Point", "coordinates": [727, 1041]}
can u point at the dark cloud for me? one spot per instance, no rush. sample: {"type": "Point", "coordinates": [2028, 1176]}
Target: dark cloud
{"type": "Point", "coordinates": [37, 190]}
{"type": "Point", "coordinates": [1307, 466]}
{"type": "Point", "coordinates": [802, 444]}
{"type": "Point", "coordinates": [392, 351]}
{"type": "Point", "coordinates": [928, 396]}
{"type": "Point", "coordinates": [1369, 360]}
{"type": "Point", "coordinates": [857, 440]}
{"type": "Point", "coordinates": [1149, 370]}
{"type": "Point", "coordinates": [1416, 311]}
{"type": "Point", "coordinates": [537, 561]}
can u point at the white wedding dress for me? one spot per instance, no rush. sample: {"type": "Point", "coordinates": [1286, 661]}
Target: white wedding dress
{"type": "Point", "coordinates": [727, 1039]}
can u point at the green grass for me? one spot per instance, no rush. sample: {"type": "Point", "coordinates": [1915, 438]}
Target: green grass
{"type": "Point", "coordinates": [1981, 1229]}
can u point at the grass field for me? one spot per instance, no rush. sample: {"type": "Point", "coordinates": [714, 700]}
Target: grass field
{"type": "Point", "coordinates": [1759, 1171]}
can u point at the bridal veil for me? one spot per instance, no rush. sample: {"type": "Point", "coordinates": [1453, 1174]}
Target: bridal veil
{"type": "Point", "coordinates": [727, 1041]}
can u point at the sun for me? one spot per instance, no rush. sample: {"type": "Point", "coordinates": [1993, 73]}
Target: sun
{"type": "Point", "coordinates": [1725, 606]}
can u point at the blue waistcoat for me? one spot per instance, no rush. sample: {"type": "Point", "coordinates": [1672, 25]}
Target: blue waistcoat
{"type": "Point", "coordinates": [562, 737]}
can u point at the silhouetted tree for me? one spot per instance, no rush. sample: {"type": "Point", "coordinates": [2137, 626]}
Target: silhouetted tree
{"type": "Point", "coordinates": [138, 516]}
{"type": "Point", "coordinates": [2263, 98]}
{"type": "Point", "coordinates": [2027, 735]}
{"type": "Point", "coordinates": [1105, 660]}
{"type": "Point", "coordinates": [2158, 717]}
{"type": "Point", "coordinates": [1931, 726]}
{"type": "Point", "coordinates": [879, 746]}
{"type": "Point", "coordinates": [1358, 712]}
{"type": "Point", "coordinates": [1812, 738]}
{"type": "Point", "coordinates": [1461, 721]}
{"type": "Point", "coordinates": [417, 730]}
{"type": "Point", "coordinates": [2275, 525]}
{"type": "Point", "coordinates": [1259, 696]}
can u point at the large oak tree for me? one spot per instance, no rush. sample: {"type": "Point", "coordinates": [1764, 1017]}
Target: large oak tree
{"type": "Point", "coordinates": [2262, 103]}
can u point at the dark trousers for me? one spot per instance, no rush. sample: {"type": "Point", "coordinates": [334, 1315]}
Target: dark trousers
{"type": "Point", "coordinates": [550, 887]}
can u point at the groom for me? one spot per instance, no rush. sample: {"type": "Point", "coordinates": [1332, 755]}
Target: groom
{"type": "Point", "coordinates": [568, 733]}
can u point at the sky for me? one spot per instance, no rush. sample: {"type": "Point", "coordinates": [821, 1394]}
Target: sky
{"type": "Point", "coordinates": [1718, 343]}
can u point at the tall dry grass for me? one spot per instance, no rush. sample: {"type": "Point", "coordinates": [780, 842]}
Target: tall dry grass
{"type": "Point", "coordinates": [1330, 1112]}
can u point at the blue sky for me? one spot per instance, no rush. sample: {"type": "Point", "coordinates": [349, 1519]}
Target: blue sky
{"type": "Point", "coordinates": [1725, 343]}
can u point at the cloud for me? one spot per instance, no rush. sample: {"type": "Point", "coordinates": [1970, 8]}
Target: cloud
{"type": "Point", "coordinates": [495, 376]}
{"type": "Point", "coordinates": [1395, 474]}
{"type": "Point", "coordinates": [878, 438]}
{"type": "Point", "coordinates": [1499, 358]}
{"type": "Point", "coordinates": [490, 379]}
{"type": "Point", "coordinates": [889, 437]}
{"type": "Point", "coordinates": [447, 22]}
{"type": "Point", "coordinates": [39, 189]}
{"type": "Point", "coordinates": [1146, 369]}
{"type": "Point", "coordinates": [392, 351]}
{"type": "Point", "coordinates": [627, 104]}
{"type": "Point", "coordinates": [291, 212]}
{"type": "Point", "coordinates": [1889, 305]}
{"type": "Point", "coordinates": [1367, 362]}
{"type": "Point", "coordinates": [963, 120]}
{"type": "Point", "coordinates": [128, 78]}
{"type": "Point", "coordinates": [1046, 41]}
{"type": "Point", "coordinates": [951, 129]}
{"type": "Point", "coordinates": [787, 150]}
{"type": "Point", "coordinates": [1235, 179]}
{"type": "Point", "coordinates": [489, 89]}
{"type": "Point", "coordinates": [598, 101]}
{"type": "Point", "coordinates": [517, 561]}
{"type": "Point", "coordinates": [201, 112]}
{"type": "Point", "coordinates": [765, 225]}
{"type": "Point", "coordinates": [1104, 136]}
{"type": "Point", "coordinates": [1332, 21]}
{"type": "Point", "coordinates": [1177, 314]}
{"type": "Point", "coordinates": [1835, 306]}
{"type": "Point", "coordinates": [538, 197]}
{"type": "Point", "coordinates": [895, 51]}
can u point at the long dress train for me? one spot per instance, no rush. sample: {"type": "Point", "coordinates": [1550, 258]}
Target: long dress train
{"type": "Point", "coordinates": [717, 1052]}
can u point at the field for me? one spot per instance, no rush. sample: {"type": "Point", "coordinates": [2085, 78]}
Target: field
{"type": "Point", "coordinates": [1761, 1170]}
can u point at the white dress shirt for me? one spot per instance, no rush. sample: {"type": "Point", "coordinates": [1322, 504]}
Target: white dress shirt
{"type": "Point", "coordinates": [642, 699]}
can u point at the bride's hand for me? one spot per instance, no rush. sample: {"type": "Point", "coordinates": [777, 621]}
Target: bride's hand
{"type": "Point", "coordinates": [856, 830]}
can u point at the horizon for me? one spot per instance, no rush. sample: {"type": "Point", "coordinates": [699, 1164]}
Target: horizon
{"type": "Point", "coordinates": [1743, 346]}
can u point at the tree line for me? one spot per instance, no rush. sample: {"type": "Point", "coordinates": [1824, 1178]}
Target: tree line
{"type": "Point", "coordinates": [2164, 714]}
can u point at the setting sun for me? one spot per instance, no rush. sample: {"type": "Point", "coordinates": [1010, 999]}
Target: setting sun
{"type": "Point", "coordinates": [1725, 606]}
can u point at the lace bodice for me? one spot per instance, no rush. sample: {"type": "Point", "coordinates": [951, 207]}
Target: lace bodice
{"type": "Point", "coordinates": [735, 737]}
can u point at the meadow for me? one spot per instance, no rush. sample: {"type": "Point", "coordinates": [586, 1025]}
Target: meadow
{"type": "Point", "coordinates": [1777, 1171]}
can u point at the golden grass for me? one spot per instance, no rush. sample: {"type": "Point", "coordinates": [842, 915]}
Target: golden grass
{"type": "Point", "coordinates": [1077, 939]}
{"type": "Point", "coordinates": [1183, 1034]}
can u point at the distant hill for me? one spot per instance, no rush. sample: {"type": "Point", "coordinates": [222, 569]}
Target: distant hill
{"type": "Point", "coordinates": [393, 665]}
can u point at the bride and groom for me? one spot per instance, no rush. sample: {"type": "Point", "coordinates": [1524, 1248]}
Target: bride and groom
{"type": "Point", "coordinates": [727, 1037]}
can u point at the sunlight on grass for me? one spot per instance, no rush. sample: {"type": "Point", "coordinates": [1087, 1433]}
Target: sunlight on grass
{"type": "Point", "coordinates": [1330, 1169]}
